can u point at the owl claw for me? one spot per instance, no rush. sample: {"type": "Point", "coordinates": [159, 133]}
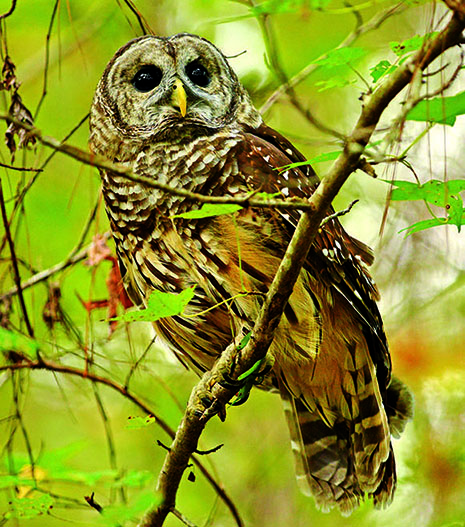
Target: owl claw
{"type": "Point", "coordinates": [247, 380]}
{"type": "Point", "coordinates": [207, 401]}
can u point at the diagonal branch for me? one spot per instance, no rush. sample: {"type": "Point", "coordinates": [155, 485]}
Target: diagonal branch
{"type": "Point", "coordinates": [196, 416]}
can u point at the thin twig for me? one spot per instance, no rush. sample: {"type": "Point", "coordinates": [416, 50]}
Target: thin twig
{"type": "Point", "coordinates": [10, 11]}
{"type": "Point", "coordinates": [33, 179]}
{"type": "Point", "coordinates": [143, 24]}
{"type": "Point", "coordinates": [21, 169]}
{"type": "Point", "coordinates": [181, 517]}
{"type": "Point", "coordinates": [14, 262]}
{"type": "Point", "coordinates": [90, 500]}
{"type": "Point", "coordinates": [272, 51]}
{"type": "Point", "coordinates": [339, 213]}
{"type": "Point", "coordinates": [47, 58]}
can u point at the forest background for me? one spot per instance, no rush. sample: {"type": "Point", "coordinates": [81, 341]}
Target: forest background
{"type": "Point", "coordinates": [84, 427]}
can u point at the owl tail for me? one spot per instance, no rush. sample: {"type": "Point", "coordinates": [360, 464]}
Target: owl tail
{"type": "Point", "coordinates": [339, 464]}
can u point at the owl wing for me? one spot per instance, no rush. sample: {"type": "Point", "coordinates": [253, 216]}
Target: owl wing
{"type": "Point", "coordinates": [342, 448]}
{"type": "Point", "coordinates": [335, 258]}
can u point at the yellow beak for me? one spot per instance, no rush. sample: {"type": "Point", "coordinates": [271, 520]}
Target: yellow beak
{"type": "Point", "coordinates": [179, 98]}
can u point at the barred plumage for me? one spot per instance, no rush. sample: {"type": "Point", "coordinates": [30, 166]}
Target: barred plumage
{"type": "Point", "coordinates": [173, 109]}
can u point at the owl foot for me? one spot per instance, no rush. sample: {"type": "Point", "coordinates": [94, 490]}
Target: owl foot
{"type": "Point", "coordinates": [248, 379]}
{"type": "Point", "coordinates": [204, 402]}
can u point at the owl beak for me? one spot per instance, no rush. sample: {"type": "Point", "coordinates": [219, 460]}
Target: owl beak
{"type": "Point", "coordinates": [179, 98]}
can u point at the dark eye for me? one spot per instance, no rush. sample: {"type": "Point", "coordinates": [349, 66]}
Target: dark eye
{"type": "Point", "coordinates": [147, 78]}
{"type": "Point", "coordinates": [198, 74]}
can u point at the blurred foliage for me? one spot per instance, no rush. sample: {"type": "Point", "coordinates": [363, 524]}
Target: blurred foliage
{"type": "Point", "coordinates": [74, 432]}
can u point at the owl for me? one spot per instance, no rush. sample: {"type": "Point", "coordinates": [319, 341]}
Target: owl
{"type": "Point", "coordinates": [173, 110]}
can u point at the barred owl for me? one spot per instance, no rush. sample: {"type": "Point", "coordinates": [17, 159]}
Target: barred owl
{"type": "Point", "coordinates": [172, 109]}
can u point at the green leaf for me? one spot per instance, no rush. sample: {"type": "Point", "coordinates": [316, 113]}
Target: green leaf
{"type": "Point", "coordinates": [411, 44]}
{"type": "Point", "coordinates": [439, 193]}
{"type": "Point", "coordinates": [334, 82]}
{"type": "Point", "coordinates": [443, 110]}
{"type": "Point", "coordinates": [243, 343]}
{"type": "Point", "coordinates": [139, 422]}
{"type": "Point", "coordinates": [30, 507]}
{"type": "Point", "coordinates": [454, 186]}
{"type": "Point", "coordinates": [208, 210]}
{"type": "Point", "coordinates": [341, 57]}
{"type": "Point", "coordinates": [11, 480]}
{"type": "Point", "coordinates": [382, 69]}
{"type": "Point", "coordinates": [327, 156]}
{"type": "Point", "coordinates": [423, 225]}
{"type": "Point", "coordinates": [160, 305]}
{"type": "Point", "coordinates": [12, 341]}
{"type": "Point", "coordinates": [455, 211]}
{"type": "Point", "coordinates": [320, 158]}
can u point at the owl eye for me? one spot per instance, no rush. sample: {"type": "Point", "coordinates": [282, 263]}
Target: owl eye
{"type": "Point", "coordinates": [147, 78]}
{"type": "Point", "coordinates": [198, 74]}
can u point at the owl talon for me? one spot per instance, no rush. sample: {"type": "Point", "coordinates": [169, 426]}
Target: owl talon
{"type": "Point", "coordinates": [251, 378]}
{"type": "Point", "coordinates": [206, 400]}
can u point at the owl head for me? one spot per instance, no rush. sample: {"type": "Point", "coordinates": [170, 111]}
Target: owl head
{"type": "Point", "coordinates": [166, 89]}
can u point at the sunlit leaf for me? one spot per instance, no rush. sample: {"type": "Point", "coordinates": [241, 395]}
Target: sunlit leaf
{"type": "Point", "coordinates": [423, 225]}
{"type": "Point", "coordinates": [442, 110]}
{"type": "Point", "coordinates": [334, 82]}
{"type": "Point", "coordinates": [12, 341]}
{"type": "Point", "coordinates": [437, 192]}
{"type": "Point", "coordinates": [411, 44]}
{"type": "Point", "coordinates": [382, 69]}
{"type": "Point", "coordinates": [440, 193]}
{"type": "Point", "coordinates": [30, 507]}
{"type": "Point", "coordinates": [160, 305]}
{"type": "Point", "coordinates": [136, 422]}
{"type": "Point", "coordinates": [320, 158]}
{"type": "Point", "coordinates": [327, 156]}
{"type": "Point", "coordinates": [208, 210]}
{"type": "Point", "coordinates": [455, 211]}
{"type": "Point", "coordinates": [341, 57]}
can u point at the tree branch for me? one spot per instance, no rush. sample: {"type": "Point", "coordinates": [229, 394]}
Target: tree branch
{"type": "Point", "coordinates": [119, 169]}
{"type": "Point", "coordinates": [234, 361]}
